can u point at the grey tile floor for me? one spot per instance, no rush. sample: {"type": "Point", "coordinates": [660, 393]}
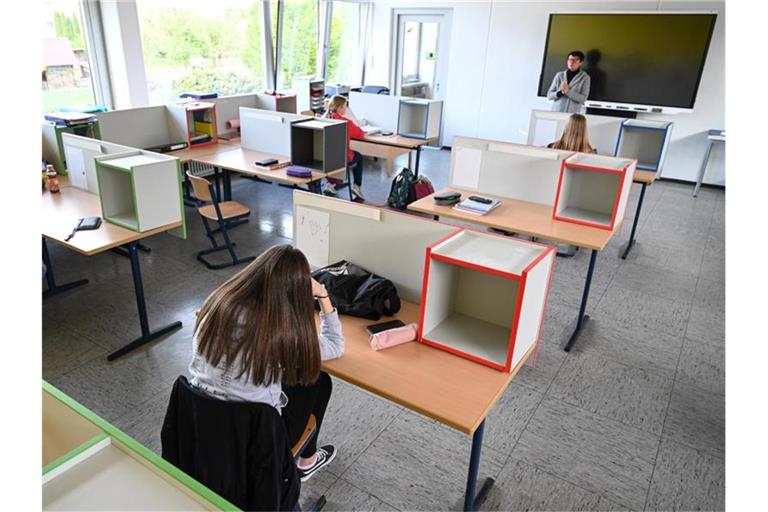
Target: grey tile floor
{"type": "Point", "coordinates": [633, 418]}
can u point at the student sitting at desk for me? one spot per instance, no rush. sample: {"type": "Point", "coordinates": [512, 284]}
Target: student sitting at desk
{"type": "Point", "coordinates": [574, 137]}
{"type": "Point", "coordinates": [337, 109]}
{"type": "Point", "coordinates": [256, 341]}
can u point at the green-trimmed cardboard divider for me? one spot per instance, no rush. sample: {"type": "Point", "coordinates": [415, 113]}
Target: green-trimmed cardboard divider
{"type": "Point", "coordinates": [180, 232]}
{"type": "Point", "coordinates": [133, 445]}
{"type": "Point", "coordinates": [74, 453]}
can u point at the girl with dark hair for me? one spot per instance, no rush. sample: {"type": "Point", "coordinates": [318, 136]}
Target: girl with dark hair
{"type": "Point", "coordinates": [256, 340]}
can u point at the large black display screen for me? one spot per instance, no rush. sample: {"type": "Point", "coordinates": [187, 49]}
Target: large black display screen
{"type": "Point", "coordinates": [645, 59]}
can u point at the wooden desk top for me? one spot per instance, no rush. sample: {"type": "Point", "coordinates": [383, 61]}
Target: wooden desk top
{"type": "Point", "coordinates": [397, 140]}
{"type": "Point", "coordinates": [60, 213]}
{"type": "Point", "coordinates": [185, 155]}
{"type": "Point", "coordinates": [450, 389]}
{"type": "Point", "coordinates": [646, 177]}
{"type": "Point", "coordinates": [241, 161]}
{"type": "Point", "coordinates": [522, 217]}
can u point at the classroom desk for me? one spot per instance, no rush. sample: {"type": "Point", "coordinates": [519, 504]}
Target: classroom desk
{"type": "Point", "coordinates": [190, 156]}
{"type": "Point", "coordinates": [242, 161]}
{"type": "Point", "coordinates": [60, 213]}
{"type": "Point", "coordinates": [536, 220]}
{"type": "Point", "coordinates": [452, 390]}
{"type": "Point", "coordinates": [194, 153]}
{"type": "Point", "coordinates": [390, 146]}
{"type": "Point", "coordinates": [644, 178]}
{"type": "Point", "coordinates": [713, 136]}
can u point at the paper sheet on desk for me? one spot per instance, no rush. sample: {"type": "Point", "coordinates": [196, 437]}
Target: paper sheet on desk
{"type": "Point", "coordinates": [75, 159]}
{"type": "Point", "coordinates": [545, 132]}
{"type": "Point", "coordinates": [313, 234]}
{"type": "Point", "coordinates": [466, 168]}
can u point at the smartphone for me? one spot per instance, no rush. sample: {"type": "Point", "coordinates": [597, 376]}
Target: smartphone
{"type": "Point", "coordinates": [384, 326]}
{"type": "Point", "coordinates": [266, 161]}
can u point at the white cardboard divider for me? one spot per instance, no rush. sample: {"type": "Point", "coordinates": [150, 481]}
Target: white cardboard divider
{"type": "Point", "coordinates": [267, 131]}
{"type": "Point", "coordinates": [546, 127]}
{"type": "Point", "coordinates": [390, 244]}
{"type": "Point", "coordinates": [378, 109]}
{"type": "Point", "coordinates": [141, 127]}
{"type": "Point", "coordinates": [508, 170]}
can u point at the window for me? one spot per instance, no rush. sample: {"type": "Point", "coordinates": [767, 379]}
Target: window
{"type": "Point", "coordinates": [299, 41]}
{"type": "Point", "coordinates": [411, 42]}
{"type": "Point", "coordinates": [201, 46]}
{"type": "Point", "coordinates": [66, 70]}
{"type": "Point", "coordinates": [345, 51]}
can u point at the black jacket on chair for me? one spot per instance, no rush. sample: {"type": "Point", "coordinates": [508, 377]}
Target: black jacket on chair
{"type": "Point", "coordinates": [239, 450]}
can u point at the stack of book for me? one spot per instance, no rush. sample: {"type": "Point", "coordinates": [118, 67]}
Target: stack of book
{"type": "Point", "coordinates": [470, 205]}
{"type": "Point", "coordinates": [370, 130]}
{"type": "Point", "coordinates": [70, 118]}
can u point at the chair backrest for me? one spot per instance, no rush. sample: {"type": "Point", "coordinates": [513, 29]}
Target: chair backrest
{"type": "Point", "coordinates": [201, 186]}
{"type": "Point", "coordinates": [237, 449]}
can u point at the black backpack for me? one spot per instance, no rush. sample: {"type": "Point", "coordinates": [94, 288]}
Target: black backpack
{"type": "Point", "coordinates": [356, 292]}
{"type": "Point", "coordinates": [400, 192]}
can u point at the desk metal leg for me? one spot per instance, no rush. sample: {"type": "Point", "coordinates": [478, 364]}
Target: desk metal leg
{"type": "Point", "coordinates": [582, 319]}
{"type": "Point", "coordinates": [217, 181]}
{"type": "Point", "coordinates": [474, 501]}
{"type": "Point", "coordinates": [146, 334]}
{"type": "Point", "coordinates": [53, 288]}
{"type": "Point", "coordinates": [122, 251]}
{"type": "Point", "coordinates": [418, 158]}
{"type": "Point", "coordinates": [226, 179]}
{"type": "Point", "coordinates": [628, 246]}
{"type": "Point", "coordinates": [703, 169]}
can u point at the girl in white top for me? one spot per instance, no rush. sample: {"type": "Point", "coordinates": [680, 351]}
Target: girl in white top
{"type": "Point", "coordinates": [256, 340]}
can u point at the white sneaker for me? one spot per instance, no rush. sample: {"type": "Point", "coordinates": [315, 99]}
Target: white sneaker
{"type": "Point", "coordinates": [330, 189]}
{"type": "Point", "coordinates": [356, 191]}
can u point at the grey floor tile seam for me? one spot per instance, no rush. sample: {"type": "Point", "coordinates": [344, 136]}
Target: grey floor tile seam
{"type": "Point", "coordinates": [687, 323]}
{"type": "Point", "coordinates": [366, 492]}
{"type": "Point", "coordinates": [148, 400]}
{"type": "Point", "coordinates": [669, 403]}
{"type": "Point", "coordinates": [352, 463]}
{"type": "Point", "coordinates": [543, 396]}
{"type": "Point", "coordinates": [87, 362]}
{"type": "Point", "coordinates": [553, 475]}
{"type": "Point", "coordinates": [693, 447]}
{"type": "Point", "coordinates": [485, 446]}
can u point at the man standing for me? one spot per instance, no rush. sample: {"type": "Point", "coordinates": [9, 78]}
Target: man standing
{"type": "Point", "coordinates": [570, 88]}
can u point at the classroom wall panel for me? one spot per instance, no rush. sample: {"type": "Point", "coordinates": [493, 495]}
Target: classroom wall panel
{"type": "Point", "coordinates": [496, 52]}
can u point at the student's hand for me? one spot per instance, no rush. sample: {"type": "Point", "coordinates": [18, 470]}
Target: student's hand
{"type": "Point", "coordinates": [321, 294]}
{"type": "Point", "coordinates": [565, 88]}
{"type": "Point", "coordinates": [318, 290]}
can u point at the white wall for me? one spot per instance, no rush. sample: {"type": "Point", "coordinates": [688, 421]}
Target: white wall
{"type": "Point", "coordinates": [495, 59]}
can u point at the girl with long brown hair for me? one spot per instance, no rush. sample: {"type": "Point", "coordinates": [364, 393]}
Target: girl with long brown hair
{"type": "Point", "coordinates": [574, 137]}
{"type": "Point", "coordinates": [256, 340]}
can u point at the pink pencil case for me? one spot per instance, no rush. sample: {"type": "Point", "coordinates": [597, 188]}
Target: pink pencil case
{"type": "Point", "coordinates": [393, 337]}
